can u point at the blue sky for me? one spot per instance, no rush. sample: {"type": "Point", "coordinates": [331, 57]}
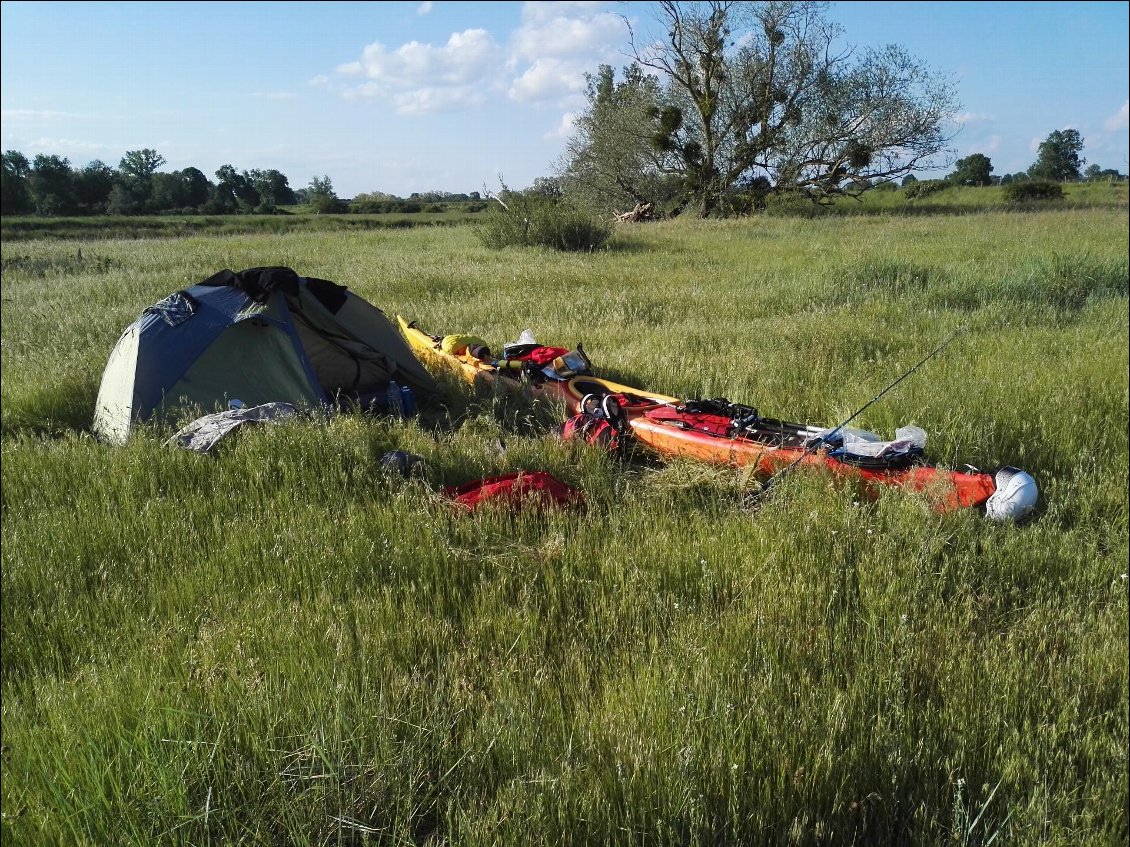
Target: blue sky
{"type": "Point", "coordinates": [419, 96]}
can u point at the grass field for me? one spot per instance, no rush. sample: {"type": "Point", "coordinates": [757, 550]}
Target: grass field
{"type": "Point", "coordinates": [280, 644]}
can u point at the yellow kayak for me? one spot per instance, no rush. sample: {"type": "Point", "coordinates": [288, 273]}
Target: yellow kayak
{"type": "Point", "coordinates": [491, 373]}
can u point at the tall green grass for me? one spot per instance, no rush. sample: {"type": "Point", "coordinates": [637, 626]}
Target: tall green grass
{"type": "Point", "coordinates": [283, 644]}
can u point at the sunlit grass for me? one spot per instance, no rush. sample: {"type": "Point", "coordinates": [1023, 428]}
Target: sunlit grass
{"type": "Point", "coordinates": [283, 644]}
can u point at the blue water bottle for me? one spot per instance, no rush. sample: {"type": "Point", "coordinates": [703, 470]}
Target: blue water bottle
{"type": "Point", "coordinates": [395, 400]}
{"type": "Point", "coordinates": [407, 401]}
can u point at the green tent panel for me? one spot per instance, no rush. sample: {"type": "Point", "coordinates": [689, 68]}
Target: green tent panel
{"type": "Point", "coordinates": [260, 335]}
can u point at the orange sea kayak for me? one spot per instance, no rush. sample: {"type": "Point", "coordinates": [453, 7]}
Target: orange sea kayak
{"type": "Point", "coordinates": [731, 436]}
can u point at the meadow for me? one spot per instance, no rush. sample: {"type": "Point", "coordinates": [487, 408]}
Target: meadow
{"type": "Point", "coordinates": [282, 643]}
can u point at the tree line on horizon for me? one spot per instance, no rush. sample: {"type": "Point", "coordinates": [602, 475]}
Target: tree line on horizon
{"type": "Point", "coordinates": [49, 185]}
{"type": "Point", "coordinates": [737, 104]}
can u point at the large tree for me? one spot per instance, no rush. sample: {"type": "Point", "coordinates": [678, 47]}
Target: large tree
{"type": "Point", "coordinates": [180, 190]}
{"type": "Point", "coordinates": [975, 169]}
{"type": "Point", "coordinates": [52, 185]}
{"type": "Point", "coordinates": [197, 187]}
{"type": "Point", "coordinates": [320, 194]}
{"type": "Point", "coordinates": [234, 190]}
{"type": "Point", "coordinates": [136, 171]}
{"type": "Point", "coordinates": [757, 98]}
{"type": "Point", "coordinates": [15, 196]}
{"type": "Point", "coordinates": [273, 188]}
{"type": "Point", "coordinates": [1058, 157]}
{"type": "Point", "coordinates": [93, 185]}
{"type": "Point", "coordinates": [611, 163]}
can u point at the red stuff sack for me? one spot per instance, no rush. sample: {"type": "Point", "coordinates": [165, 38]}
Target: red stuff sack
{"type": "Point", "coordinates": [518, 489]}
{"type": "Point", "coordinates": [544, 355]}
{"type": "Point", "coordinates": [596, 431]}
{"type": "Point", "coordinates": [600, 421]}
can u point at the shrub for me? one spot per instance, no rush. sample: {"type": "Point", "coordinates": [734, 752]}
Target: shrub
{"type": "Point", "coordinates": [1019, 192]}
{"type": "Point", "coordinates": [924, 188]}
{"type": "Point", "coordinates": [529, 219]}
{"type": "Point", "coordinates": [793, 204]}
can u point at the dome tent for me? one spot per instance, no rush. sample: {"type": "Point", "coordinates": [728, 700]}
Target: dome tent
{"type": "Point", "coordinates": [260, 335]}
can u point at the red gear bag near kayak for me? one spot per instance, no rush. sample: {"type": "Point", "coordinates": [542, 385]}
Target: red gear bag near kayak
{"type": "Point", "coordinates": [521, 488]}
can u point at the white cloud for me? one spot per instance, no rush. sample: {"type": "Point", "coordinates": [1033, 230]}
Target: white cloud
{"type": "Point", "coordinates": [424, 101]}
{"type": "Point", "coordinates": [319, 81]}
{"type": "Point", "coordinates": [1120, 119]}
{"type": "Point", "coordinates": [69, 146]}
{"type": "Point", "coordinates": [968, 118]}
{"type": "Point", "coordinates": [421, 78]}
{"type": "Point", "coordinates": [565, 128]}
{"type": "Point", "coordinates": [544, 62]}
{"type": "Point", "coordinates": [466, 57]}
{"type": "Point", "coordinates": [35, 115]}
{"type": "Point", "coordinates": [556, 46]}
{"type": "Point", "coordinates": [365, 91]}
{"type": "Point", "coordinates": [992, 144]}
{"type": "Point", "coordinates": [546, 10]}
{"type": "Point", "coordinates": [549, 79]}
{"type": "Point", "coordinates": [553, 30]}
{"type": "Point", "coordinates": [425, 8]}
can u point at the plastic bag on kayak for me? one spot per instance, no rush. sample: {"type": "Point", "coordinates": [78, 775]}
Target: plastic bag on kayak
{"type": "Point", "coordinates": [860, 442]}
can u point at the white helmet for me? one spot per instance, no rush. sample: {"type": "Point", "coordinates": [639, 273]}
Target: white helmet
{"type": "Point", "coordinates": [1015, 496]}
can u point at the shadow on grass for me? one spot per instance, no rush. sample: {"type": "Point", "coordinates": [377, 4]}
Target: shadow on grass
{"type": "Point", "coordinates": [64, 407]}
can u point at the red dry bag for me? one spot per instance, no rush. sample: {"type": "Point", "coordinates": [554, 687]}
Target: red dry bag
{"type": "Point", "coordinates": [521, 488]}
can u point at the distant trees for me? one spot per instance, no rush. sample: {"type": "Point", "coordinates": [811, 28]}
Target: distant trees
{"type": "Point", "coordinates": [1058, 157]}
{"type": "Point", "coordinates": [136, 170]}
{"type": "Point", "coordinates": [273, 189]}
{"type": "Point", "coordinates": [180, 191]}
{"type": "Point", "coordinates": [93, 185]}
{"type": "Point", "coordinates": [132, 191]}
{"type": "Point", "coordinates": [754, 99]}
{"type": "Point", "coordinates": [972, 170]}
{"type": "Point", "coordinates": [320, 195]}
{"type": "Point", "coordinates": [15, 197]}
{"type": "Point", "coordinates": [49, 185]}
{"type": "Point", "coordinates": [1094, 173]}
{"type": "Point", "coordinates": [234, 192]}
{"type": "Point", "coordinates": [52, 186]}
{"type": "Point", "coordinates": [381, 202]}
{"type": "Point", "coordinates": [197, 188]}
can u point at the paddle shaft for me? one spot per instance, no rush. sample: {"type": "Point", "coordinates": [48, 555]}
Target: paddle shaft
{"type": "Point", "coordinates": [812, 448]}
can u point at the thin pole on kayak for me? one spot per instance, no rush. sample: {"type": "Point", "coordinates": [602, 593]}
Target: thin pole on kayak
{"type": "Point", "coordinates": [824, 439]}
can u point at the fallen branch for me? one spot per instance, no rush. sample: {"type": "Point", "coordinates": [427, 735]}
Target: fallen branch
{"type": "Point", "coordinates": [642, 212]}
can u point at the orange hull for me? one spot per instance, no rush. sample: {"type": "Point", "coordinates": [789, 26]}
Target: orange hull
{"type": "Point", "coordinates": [951, 489]}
